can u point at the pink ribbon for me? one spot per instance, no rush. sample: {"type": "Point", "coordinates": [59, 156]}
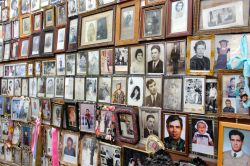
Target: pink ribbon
{"type": "Point", "coordinates": [35, 138]}
{"type": "Point", "coordinates": [55, 160]}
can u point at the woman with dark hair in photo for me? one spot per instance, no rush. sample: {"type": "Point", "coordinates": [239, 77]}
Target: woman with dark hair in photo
{"type": "Point", "coordinates": [135, 95]}
{"type": "Point", "coordinates": [138, 65]}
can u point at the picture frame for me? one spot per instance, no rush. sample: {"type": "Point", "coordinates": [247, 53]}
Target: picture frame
{"type": "Point", "coordinates": [60, 42]}
{"type": "Point", "coordinates": [119, 84]}
{"type": "Point", "coordinates": [25, 6]}
{"type": "Point", "coordinates": [79, 93]}
{"type": "Point", "coordinates": [46, 110]}
{"type": "Point", "coordinates": [121, 60]}
{"type": "Point", "coordinates": [15, 111]}
{"type": "Point", "coordinates": [180, 14]}
{"type": "Point", "coordinates": [149, 29]}
{"type": "Point", "coordinates": [24, 48]}
{"type": "Point", "coordinates": [227, 131]}
{"type": "Point", "coordinates": [73, 32]}
{"type": "Point", "coordinates": [6, 55]}
{"type": "Point", "coordinates": [26, 157]}
{"type": "Point", "coordinates": [14, 50]}
{"type": "Point", "coordinates": [204, 142]}
{"type": "Point", "coordinates": [194, 94]}
{"type": "Point", "coordinates": [8, 154]}
{"type": "Point", "coordinates": [60, 64]}
{"type": "Point", "coordinates": [50, 87]}
{"type": "Point", "coordinates": [20, 69]}
{"type": "Point", "coordinates": [35, 5]}
{"type": "Point", "coordinates": [5, 128]}
{"type": "Point", "coordinates": [37, 20]}
{"type": "Point", "coordinates": [150, 123]}
{"type": "Point", "coordinates": [211, 96]}
{"type": "Point", "coordinates": [87, 117]}
{"type": "Point", "coordinates": [48, 40]}
{"type": "Point", "coordinates": [104, 90]}
{"type": "Point", "coordinates": [38, 67]}
{"type": "Point", "coordinates": [81, 63]}
{"type": "Point", "coordinates": [135, 90]}
{"type": "Point", "coordinates": [204, 22]}
{"type": "Point", "coordinates": [112, 150]}
{"type": "Point", "coordinates": [69, 88]}
{"type": "Point", "coordinates": [10, 91]}
{"type": "Point", "coordinates": [154, 2]}
{"type": "Point", "coordinates": [173, 92]}
{"type": "Point", "coordinates": [30, 69]}
{"type": "Point", "coordinates": [2, 155]}
{"type": "Point", "coordinates": [25, 25]}
{"type": "Point", "coordinates": [32, 87]}
{"type": "Point", "coordinates": [15, 29]}
{"type": "Point", "coordinates": [57, 114]}
{"type": "Point", "coordinates": [8, 106]}
{"type": "Point", "coordinates": [61, 14]}
{"type": "Point", "coordinates": [230, 92]}
{"type": "Point", "coordinates": [49, 19]}
{"type": "Point", "coordinates": [17, 87]}
{"type": "Point", "coordinates": [35, 108]}
{"type": "Point", "coordinates": [127, 32]}
{"type": "Point", "coordinates": [2, 101]}
{"type": "Point", "coordinates": [91, 89]}
{"type": "Point", "coordinates": [5, 14]}
{"type": "Point", "coordinates": [105, 3]}
{"type": "Point", "coordinates": [41, 87]}
{"type": "Point", "coordinates": [59, 87]}
{"type": "Point", "coordinates": [137, 59]}
{"type": "Point", "coordinates": [49, 68]}
{"type": "Point", "coordinates": [133, 154]}
{"type": "Point", "coordinates": [72, 116]}
{"type": "Point", "coordinates": [93, 62]}
{"type": "Point", "coordinates": [44, 3]}
{"type": "Point", "coordinates": [25, 86]}
{"type": "Point", "coordinates": [126, 123]}
{"type": "Point", "coordinates": [48, 140]}
{"type": "Point", "coordinates": [13, 7]}
{"type": "Point", "coordinates": [16, 134]}
{"type": "Point", "coordinates": [17, 153]}
{"type": "Point", "coordinates": [84, 7]}
{"type": "Point", "coordinates": [193, 67]}
{"type": "Point", "coordinates": [1, 52]}
{"type": "Point", "coordinates": [72, 8]}
{"type": "Point", "coordinates": [26, 135]}
{"type": "Point", "coordinates": [106, 61]}
{"type": "Point", "coordinates": [7, 31]}
{"type": "Point", "coordinates": [9, 70]}
{"type": "Point", "coordinates": [104, 35]}
{"type": "Point", "coordinates": [70, 60]}
{"type": "Point", "coordinates": [168, 121]}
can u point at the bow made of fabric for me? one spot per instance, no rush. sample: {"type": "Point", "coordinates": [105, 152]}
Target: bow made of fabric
{"type": "Point", "coordinates": [35, 135]}
{"type": "Point", "coordinates": [55, 157]}
{"type": "Point", "coordinates": [242, 61]}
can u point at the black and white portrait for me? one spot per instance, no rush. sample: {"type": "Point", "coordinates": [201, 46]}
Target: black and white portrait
{"type": "Point", "coordinates": [35, 5]}
{"type": "Point", "coordinates": [153, 95]}
{"type": "Point", "coordinates": [104, 2]}
{"type": "Point", "coordinates": [25, 48]}
{"type": "Point", "coordinates": [179, 15]}
{"type": "Point", "coordinates": [93, 63]}
{"type": "Point", "coordinates": [25, 87]}
{"type": "Point", "coordinates": [57, 111]}
{"type": "Point", "coordinates": [32, 87]}
{"type": "Point", "coordinates": [4, 86]}
{"type": "Point", "coordinates": [119, 90]}
{"type": "Point", "coordinates": [176, 54]}
{"type": "Point", "coordinates": [35, 45]}
{"type": "Point", "coordinates": [37, 68]}
{"type": "Point", "coordinates": [60, 64]}
{"type": "Point", "coordinates": [121, 60]}
{"type": "Point", "coordinates": [10, 91]}
{"type": "Point", "coordinates": [61, 39]}
{"type": "Point", "coordinates": [137, 60]}
{"type": "Point", "coordinates": [49, 68]}
{"type": "Point", "coordinates": [153, 22]}
{"type": "Point", "coordinates": [127, 23]}
{"type": "Point", "coordinates": [155, 58]}
{"type": "Point", "coordinates": [13, 8]}
{"type": "Point", "coordinates": [110, 154]}
{"type": "Point", "coordinates": [135, 91]}
{"type": "Point", "coordinates": [70, 64]}
{"type": "Point", "coordinates": [17, 87]}
{"type": "Point", "coordinates": [79, 92]}
{"type": "Point", "coordinates": [172, 99]}
{"type": "Point", "coordinates": [200, 55]}
{"type": "Point", "coordinates": [69, 88]}
{"type": "Point", "coordinates": [194, 94]}
{"type": "Point", "coordinates": [89, 150]}
{"type": "Point", "coordinates": [91, 89]}
{"type": "Point", "coordinates": [61, 14]}
{"type": "Point", "coordinates": [41, 86]}
{"type": "Point", "coordinates": [48, 42]}
{"type": "Point", "coordinates": [59, 87]}
{"type": "Point", "coordinates": [211, 95]}
{"type": "Point", "coordinates": [72, 7]}
{"type": "Point", "coordinates": [17, 155]}
{"type": "Point", "coordinates": [15, 27]}
{"type": "Point", "coordinates": [102, 31]}
{"type": "Point", "coordinates": [6, 55]}
{"type": "Point", "coordinates": [7, 31]}
{"type": "Point", "coordinates": [37, 22]}
{"type": "Point", "coordinates": [81, 63]}
{"type": "Point", "coordinates": [134, 156]}
{"type": "Point", "coordinates": [50, 87]}
{"type": "Point", "coordinates": [104, 89]}
{"type": "Point", "coordinates": [90, 4]}
{"type": "Point", "coordinates": [25, 6]}
{"type": "Point", "coordinates": [26, 25]}
{"type": "Point", "coordinates": [106, 61]}
{"type": "Point", "coordinates": [73, 24]}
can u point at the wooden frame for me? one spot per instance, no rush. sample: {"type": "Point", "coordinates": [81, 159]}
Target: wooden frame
{"type": "Point", "coordinates": [54, 112]}
{"type": "Point", "coordinates": [9, 30]}
{"type": "Point", "coordinates": [76, 114]}
{"type": "Point", "coordinates": [50, 51]}
{"type": "Point", "coordinates": [57, 50]}
{"type": "Point", "coordinates": [22, 34]}
{"type": "Point", "coordinates": [113, 150]}
{"type": "Point", "coordinates": [14, 50]}
{"type": "Point", "coordinates": [15, 36]}
{"type": "Point", "coordinates": [12, 13]}
{"type": "Point", "coordinates": [183, 144]}
{"type": "Point", "coordinates": [107, 54]}
{"type": "Point", "coordinates": [52, 21]}
{"type": "Point", "coordinates": [119, 22]}
{"type": "Point", "coordinates": [134, 153]}
{"type": "Point", "coordinates": [221, 95]}
{"type": "Point", "coordinates": [20, 45]}
{"type": "Point", "coordinates": [203, 71]}
{"type": "Point", "coordinates": [72, 45]}
{"type": "Point", "coordinates": [232, 29]}
{"type": "Point", "coordinates": [45, 102]}
{"type": "Point", "coordinates": [36, 53]}
{"type": "Point", "coordinates": [161, 33]}
{"type": "Point", "coordinates": [189, 20]}
{"type": "Point", "coordinates": [65, 15]}
{"type": "Point", "coordinates": [53, 72]}
{"type": "Point", "coordinates": [26, 10]}
{"type": "Point", "coordinates": [40, 14]}
{"type": "Point", "coordinates": [155, 2]}
{"type": "Point", "coordinates": [107, 4]}
{"type": "Point", "coordinates": [84, 8]}
{"type": "Point", "coordinates": [30, 69]}
{"type": "Point", "coordinates": [119, 112]}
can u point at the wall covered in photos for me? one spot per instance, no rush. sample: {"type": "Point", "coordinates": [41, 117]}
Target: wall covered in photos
{"type": "Point", "coordinates": [110, 82]}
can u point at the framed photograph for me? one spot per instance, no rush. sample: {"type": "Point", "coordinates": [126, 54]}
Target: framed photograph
{"type": "Point", "coordinates": [35, 107]}
{"type": "Point", "coordinates": [91, 89]}
{"type": "Point", "coordinates": [14, 50]}
{"type": "Point", "coordinates": [60, 44]}
{"type": "Point", "coordinates": [70, 148]}
{"type": "Point", "coordinates": [69, 88]}
{"type": "Point", "coordinates": [17, 153]}
{"type": "Point", "coordinates": [203, 135]}
{"type": "Point", "coordinates": [15, 29]}
{"type": "Point", "coordinates": [50, 87]}
{"type": "Point", "coordinates": [152, 22]}
{"type": "Point", "coordinates": [221, 17]}
{"type": "Point", "coordinates": [30, 69]}
{"type": "Point", "coordinates": [16, 134]}
{"type": "Point", "coordinates": [60, 64]}
{"type": "Point", "coordinates": [110, 154]}
{"type": "Point", "coordinates": [25, 6]}
{"type": "Point", "coordinates": [137, 59]}
{"type": "Point", "coordinates": [84, 6]}
{"type": "Point", "coordinates": [2, 154]}
{"type": "Point", "coordinates": [48, 39]}
{"type": "Point", "coordinates": [87, 117]}
{"type": "Point", "coordinates": [2, 104]}
{"type": "Point", "coordinates": [194, 94]}
{"type": "Point", "coordinates": [25, 25]}
{"type": "Point", "coordinates": [153, 92]}
{"type": "Point", "coordinates": [89, 144]}
{"type": "Point", "coordinates": [119, 90]}
{"type": "Point", "coordinates": [211, 96]}
{"type": "Point", "coordinates": [7, 106]}
{"type": "Point", "coordinates": [49, 68]}
{"type": "Point", "coordinates": [49, 19]}
{"type": "Point", "coordinates": [26, 135]}
{"type": "Point", "coordinates": [57, 114]}
{"type": "Point", "coordinates": [155, 53]}
{"type": "Point", "coordinates": [104, 89]}
{"type": "Point", "coordinates": [59, 87]}
{"type": "Point", "coordinates": [35, 5]}
{"type": "Point", "coordinates": [232, 94]}
{"type": "Point", "coordinates": [41, 88]}
{"type": "Point", "coordinates": [232, 141]}
{"type": "Point", "coordinates": [4, 129]}
{"type": "Point", "coordinates": [106, 61]}
{"type": "Point", "coordinates": [132, 155]}
{"type": "Point", "coordinates": [24, 48]}
{"type": "Point", "coordinates": [121, 60]}
{"type": "Point", "coordinates": [72, 116]}
{"type": "Point", "coordinates": [35, 45]}
{"type": "Point", "coordinates": [150, 123]}
{"type": "Point", "coordinates": [9, 70]}
{"type": "Point", "coordinates": [7, 31]}
{"type": "Point", "coordinates": [127, 19]}
{"type": "Point", "coordinates": [81, 63]}
{"type": "Point", "coordinates": [97, 29]}
{"type": "Point", "coordinates": [20, 69]}
{"type": "Point", "coordinates": [26, 157]}
{"type": "Point", "coordinates": [20, 109]}
{"type": "Point", "coordinates": [6, 55]}
{"type": "Point", "coordinates": [32, 87]}
{"type": "Point", "coordinates": [126, 124]}
{"type": "Point", "coordinates": [200, 55]}
{"type": "Point", "coordinates": [70, 64]}
{"type": "Point", "coordinates": [37, 68]}
{"type": "Point", "coordinates": [53, 2]}
{"type": "Point", "coordinates": [72, 8]}
{"type": "Point", "coordinates": [8, 154]}
{"type": "Point", "coordinates": [176, 57]}
{"type": "Point", "coordinates": [154, 2]}
{"type": "Point", "coordinates": [25, 87]}
{"type": "Point", "coordinates": [73, 32]}
{"type": "Point", "coordinates": [10, 91]}
{"type": "Point", "coordinates": [37, 22]}
{"type": "Point", "coordinates": [44, 3]}
{"type": "Point", "coordinates": [1, 52]}
{"type": "Point", "coordinates": [179, 18]}
{"type": "Point", "coordinates": [13, 7]}
{"type": "Point", "coordinates": [135, 91]}
{"type": "Point", "coordinates": [48, 140]}
{"type": "Point", "coordinates": [172, 96]}
{"type": "Point", "coordinates": [61, 14]}
{"type": "Point", "coordinates": [17, 87]}
{"type": "Point", "coordinates": [93, 62]}
{"type": "Point", "coordinates": [46, 110]}
{"type": "Point", "coordinates": [79, 92]}
{"type": "Point", "coordinates": [175, 130]}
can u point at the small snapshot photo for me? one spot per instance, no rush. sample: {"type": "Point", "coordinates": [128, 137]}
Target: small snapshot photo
{"type": "Point", "coordinates": [121, 60]}
{"type": "Point", "coordinates": [106, 61]}
{"type": "Point", "coordinates": [60, 64]}
{"type": "Point", "coordinates": [50, 87]}
{"type": "Point", "coordinates": [155, 58]}
{"type": "Point", "coordinates": [134, 156]}
{"type": "Point", "coordinates": [119, 86]}
{"type": "Point", "coordinates": [26, 135]}
{"type": "Point", "coordinates": [49, 68]}
{"type": "Point", "coordinates": [59, 87]}
{"type": "Point", "coordinates": [48, 42]}
{"type": "Point", "coordinates": [46, 111]}
{"type": "Point", "coordinates": [91, 89]}
{"type": "Point", "coordinates": [110, 154]}
{"type": "Point", "coordinates": [137, 60]}
{"type": "Point", "coordinates": [135, 91]}
{"type": "Point", "coordinates": [87, 117]}
{"type": "Point", "coordinates": [104, 91]}
{"type": "Point", "coordinates": [81, 63]}
{"type": "Point", "coordinates": [105, 124]}
{"type": "Point", "coordinates": [126, 125]}
{"type": "Point", "coordinates": [211, 96]}
{"type": "Point", "coordinates": [35, 107]}
{"type": "Point", "coordinates": [153, 92]}
{"type": "Point", "coordinates": [79, 93]}
{"type": "Point", "coordinates": [71, 113]}
{"type": "Point", "coordinates": [57, 114]}
{"type": "Point", "coordinates": [69, 88]}
{"type": "Point", "coordinates": [93, 62]}
{"type": "Point", "coordinates": [70, 64]}
{"type": "Point", "coordinates": [89, 150]}
{"type": "Point", "coordinates": [19, 109]}
{"type": "Point", "coordinates": [70, 148]}
{"type": "Point", "coordinates": [203, 136]}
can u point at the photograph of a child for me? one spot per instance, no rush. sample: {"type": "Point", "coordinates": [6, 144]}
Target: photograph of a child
{"type": "Point", "coordinates": [87, 119]}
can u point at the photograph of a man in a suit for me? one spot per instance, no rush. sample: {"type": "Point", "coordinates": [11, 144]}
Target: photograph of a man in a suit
{"type": "Point", "coordinates": [154, 99]}
{"type": "Point", "coordinates": [150, 125]}
{"type": "Point", "coordinates": [156, 64]}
